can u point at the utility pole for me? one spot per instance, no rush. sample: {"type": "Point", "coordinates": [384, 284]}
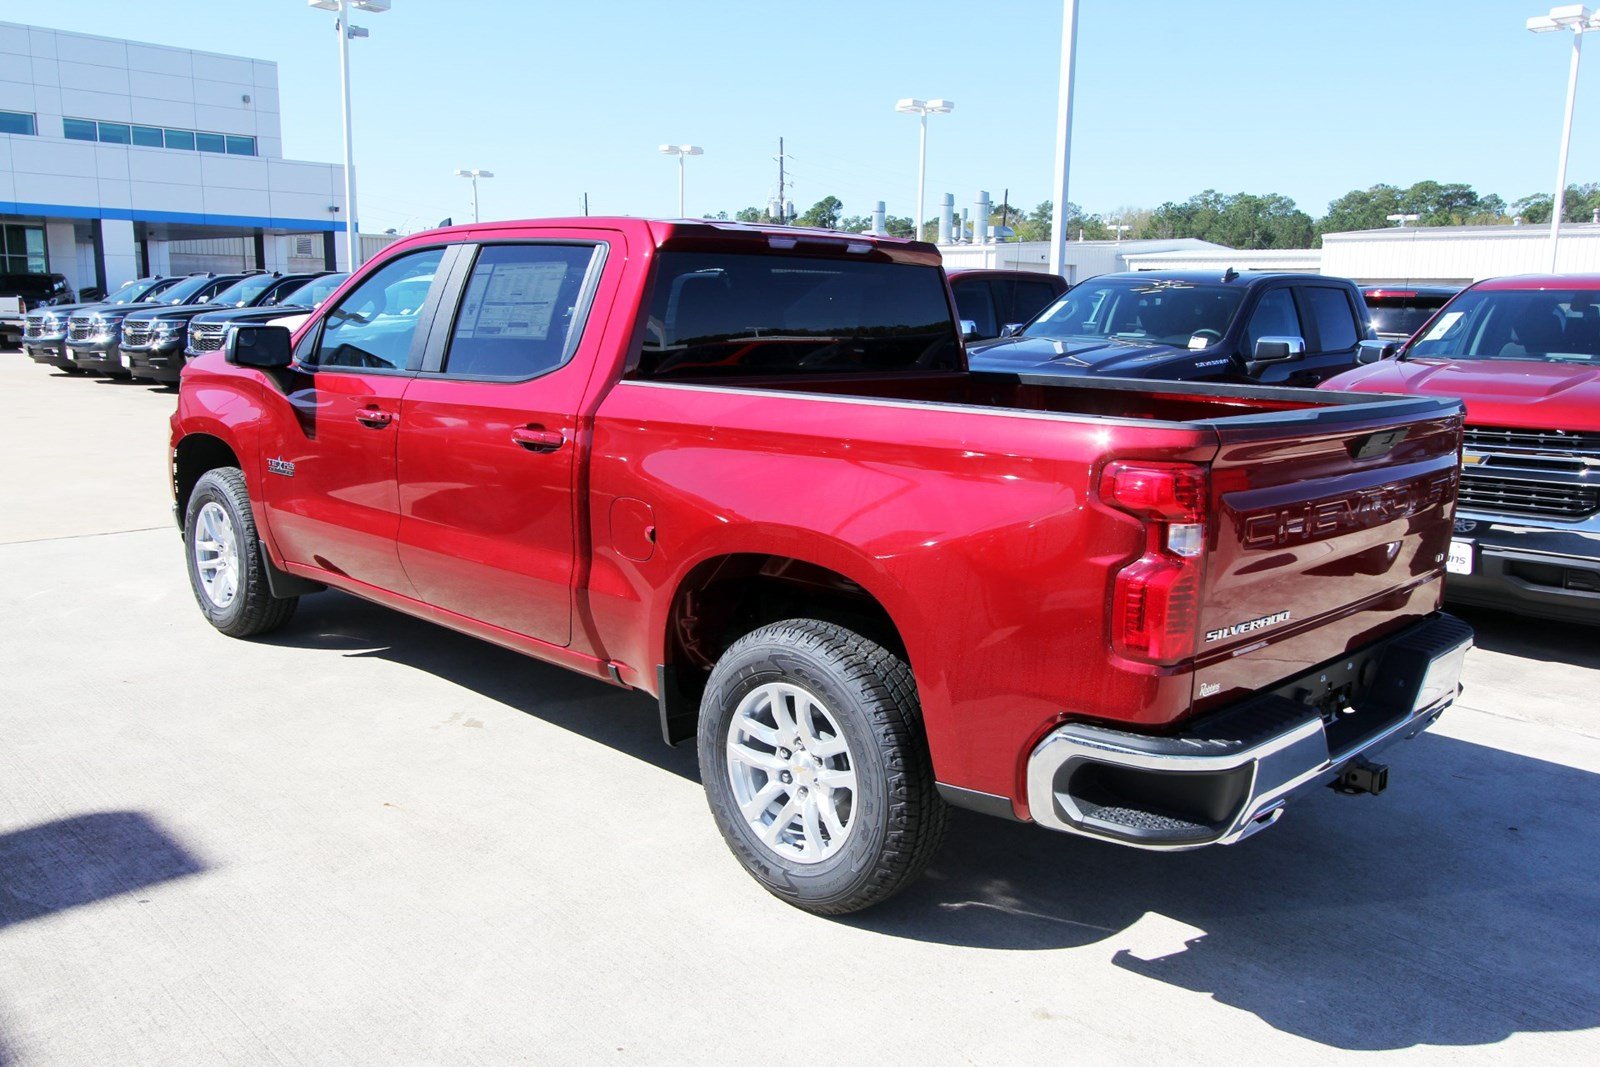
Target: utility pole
{"type": "Point", "coordinates": [585, 205]}
{"type": "Point", "coordinates": [780, 210]}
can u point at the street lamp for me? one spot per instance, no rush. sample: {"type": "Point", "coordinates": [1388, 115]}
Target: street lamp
{"type": "Point", "coordinates": [681, 150]}
{"type": "Point", "coordinates": [346, 31]}
{"type": "Point", "coordinates": [474, 175]}
{"type": "Point", "coordinates": [1401, 220]}
{"type": "Point", "coordinates": [1058, 221]}
{"type": "Point", "coordinates": [1579, 20]}
{"type": "Point", "coordinates": [922, 109]}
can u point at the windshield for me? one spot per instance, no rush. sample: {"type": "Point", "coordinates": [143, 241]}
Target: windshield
{"type": "Point", "coordinates": [184, 291]}
{"type": "Point", "coordinates": [314, 292]}
{"type": "Point", "coordinates": [133, 292]}
{"type": "Point", "coordinates": [1401, 319]}
{"type": "Point", "coordinates": [243, 291]}
{"type": "Point", "coordinates": [731, 315]}
{"type": "Point", "coordinates": [1155, 311]}
{"type": "Point", "coordinates": [1555, 325]}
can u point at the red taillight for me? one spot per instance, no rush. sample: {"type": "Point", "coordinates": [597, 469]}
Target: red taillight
{"type": "Point", "coordinates": [1155, 600]}
{"type": "Point", "coordinates": [1173, 492]}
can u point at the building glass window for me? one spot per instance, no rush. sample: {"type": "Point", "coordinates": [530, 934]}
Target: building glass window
{"type": "Point", "coordinates": [22, 250]}
{"type": "Point", "coordinates": [17, 122]}
{"type": "Point", "coordinates": [145, 136]}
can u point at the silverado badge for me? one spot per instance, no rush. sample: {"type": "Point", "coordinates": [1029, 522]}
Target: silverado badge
{"type": "Point", "coordinates": [1246, 627]}
{"type": "Point", "coordinates": [280, 466]}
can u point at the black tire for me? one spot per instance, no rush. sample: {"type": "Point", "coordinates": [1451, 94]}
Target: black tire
{"type": "Point", "coordinates": [898, 817]}
{"type": "Point", "coordinates": [252, 609]}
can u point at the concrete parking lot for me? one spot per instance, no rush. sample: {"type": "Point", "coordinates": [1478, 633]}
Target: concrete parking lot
{"type": "Point", "coordinates": [370, 840]}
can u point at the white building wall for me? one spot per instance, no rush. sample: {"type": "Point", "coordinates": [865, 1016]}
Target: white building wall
{"type": "Point", "coordinates": [1083, 259]}
{"type": "Point", "coordinates": [1458, 253]}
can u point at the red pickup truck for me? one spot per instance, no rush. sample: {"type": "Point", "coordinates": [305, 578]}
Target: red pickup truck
{"type": "Point", "coordinates": [747, 471]}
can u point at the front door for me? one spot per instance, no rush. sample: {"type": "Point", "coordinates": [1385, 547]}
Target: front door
{"type": "Point", "coordinates": [331, 491]}
{"type": "Point", "coordinates": [487, 442]}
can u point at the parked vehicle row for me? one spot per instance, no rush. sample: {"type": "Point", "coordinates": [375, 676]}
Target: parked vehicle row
{"type": "Point", "coordinates": [749, 471]}
{"type": "Point", "coordinates": [149, 327]}
{"type": "Point", "coordinates": [21, 293]}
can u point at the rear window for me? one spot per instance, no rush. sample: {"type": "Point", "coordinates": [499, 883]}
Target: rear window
{"type": "Point", "coordinates": [1401, 315]}
{"type": "Point", "coordinates": [720, 315]}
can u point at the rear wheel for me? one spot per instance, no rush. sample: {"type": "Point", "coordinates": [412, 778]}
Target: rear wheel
{"type": "Point", "coordinates": [816, 767]}
{"type": "Point", "coordinates": [226, 570]}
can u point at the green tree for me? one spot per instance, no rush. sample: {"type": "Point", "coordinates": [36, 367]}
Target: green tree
{"type": "Point", "coordinates": [898, 225]}
{"type": "Point", "coordinates": [752, 214]}
{"type": "Point", "coordinates": [823, 215]}
{"type": "Point", "coordinates": [1434, 204]}
{"type": "Point", "coordinates": [855, 224]}
{"type": "Point", "coordinates": [1238, 220]}
{"type": "Point", "coordinates": [1579, 205]}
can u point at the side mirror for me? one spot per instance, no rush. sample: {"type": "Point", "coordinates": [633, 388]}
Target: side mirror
{"type": "Point", "coordinates": [266, 347]}
{"type": "Point", "coordinates": [1011, 329]}
{"type": "Point", "coordinates": [1375, 351]}
{"type": "Point", "coordinates": [1278, 349]}
{"type": "Point", "coordinates": [969, 329]}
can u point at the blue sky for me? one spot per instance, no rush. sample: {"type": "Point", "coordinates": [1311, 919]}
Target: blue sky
{"type": "Point", "coordinates": [1308, 99]}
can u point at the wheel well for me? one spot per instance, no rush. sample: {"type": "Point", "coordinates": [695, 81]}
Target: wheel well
{"type": "Point", "coordinates": [723, 599]}
{"type": "Point", "coordinates": [195, 455]}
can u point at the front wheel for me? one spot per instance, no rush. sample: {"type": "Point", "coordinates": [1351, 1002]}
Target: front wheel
{"type": "Point", "coordinates": [226, 570]}
{"type": "Point", "coordinates": [816, 767]}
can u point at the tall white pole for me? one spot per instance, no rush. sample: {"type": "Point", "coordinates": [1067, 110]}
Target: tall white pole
{"type": "Point", "coordinates": [474, 198]}
{"type": "Point", "coordinates": [922, 168]}
{"type": "Point", "coordinates": [352, 240]}
{"type": "Point", "coordinates": [1058, 224]}
{"type": "Point", "coordinates": [680, 186]}
{"type": "Point", "coordinates": [1559, 203]}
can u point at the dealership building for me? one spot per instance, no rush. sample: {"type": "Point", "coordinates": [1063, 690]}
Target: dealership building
{"type": "Point", "coordinates": [120, 159]}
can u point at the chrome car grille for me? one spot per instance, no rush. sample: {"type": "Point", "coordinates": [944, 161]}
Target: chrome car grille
{"type": "Point", "coordinates": [80, 328]}
{"type": "Point", "coordinates": [37, 326]}
{"type": "Point", "coordinates": [1557, 443]}
{"type": "Point", "coordinates": [136, 332]}
{"type": "Point", "coordinates": [206, 336]}
{"type": "Point", "coordinates": [1485, 491]}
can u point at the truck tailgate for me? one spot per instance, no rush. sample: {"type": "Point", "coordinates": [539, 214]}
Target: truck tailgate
{"type": "Point", "coordinates": [1328, 534]}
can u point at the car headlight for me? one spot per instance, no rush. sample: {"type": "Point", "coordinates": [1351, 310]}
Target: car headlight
{"type": "Point", "coordinates": [167, 327]}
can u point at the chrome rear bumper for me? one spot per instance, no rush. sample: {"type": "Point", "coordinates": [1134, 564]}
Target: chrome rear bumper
{"type": "Point", "coordinates": [1231, 775]}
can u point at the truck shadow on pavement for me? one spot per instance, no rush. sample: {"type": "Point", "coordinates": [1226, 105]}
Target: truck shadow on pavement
{"type": "Point", "coordinates": [71, 862]}
{"type": "Point", "coordinates": [1459, 908]}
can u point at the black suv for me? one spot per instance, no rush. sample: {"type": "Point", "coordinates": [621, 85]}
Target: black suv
{"type": "Point", "coordinates": [1267, 328]}
{"type": "Point", "coordinates": [44, 335]}
{"type": "Point", "coordinates": [153, 341]}
{"type": "Point", "coordinates": [208, 332]}
{"type": "Point", "coordinates": [94, 332]}
{"type": "Point", "coordinates": [1398, 311]}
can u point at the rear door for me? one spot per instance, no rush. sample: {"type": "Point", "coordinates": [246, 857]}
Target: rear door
{"type": "Point", "coordinates": [1335, 324]}
{"type": "Point", "coordinates": [1327, 532]}
{"type": "Point", "coordinates": [489, 434]}
{"type": "Point", "coordinates": [1026, 297]}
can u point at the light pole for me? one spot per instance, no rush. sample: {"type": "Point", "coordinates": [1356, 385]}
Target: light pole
{"type": "Point", "coordinates": [474, 175]}
{"type": "Point", "coordinates": [1058, 223]}
{"type": "Point", "coordinates": [922, 109]}
{"type": "Point", "coordinates": [346, 31]}
{"type": "Point", "coordinates": [681, 151]}
{"type": "Point", "coordinates": [1579, 20]}
{"type": "Point", "coordinates": [1401, 220]}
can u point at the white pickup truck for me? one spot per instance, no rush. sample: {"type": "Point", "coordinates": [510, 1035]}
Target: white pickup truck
{"type": "Point", "coordinates": [11, 312]}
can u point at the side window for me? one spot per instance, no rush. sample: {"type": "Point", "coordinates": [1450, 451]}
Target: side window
{"type": "Point", "coordinates": [1274, 316]}
{"type": "Point", "coordinates": [373, 325]}
{"type": "Point", "coordinates": [1028, 299]}
{"type": "Point", "coordinates": [974, 302]}
{"type": "Point", "coordinates": [519, 317]}
{"type": "Point", "coordinates": [1334, 317]}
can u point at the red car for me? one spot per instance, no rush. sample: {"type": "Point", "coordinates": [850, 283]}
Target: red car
{"type": "Point", "coordinates": [1524, 353]}
{"type": "Point", "coordinates": [747, 471]}
{"type": "Point", "coordinates": [991, 301]}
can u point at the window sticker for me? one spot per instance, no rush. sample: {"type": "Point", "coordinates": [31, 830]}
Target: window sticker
{"type": "Point", "coordinates": [514, 301]}
{"type": "Point", "coordinates": [1442, 327]}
